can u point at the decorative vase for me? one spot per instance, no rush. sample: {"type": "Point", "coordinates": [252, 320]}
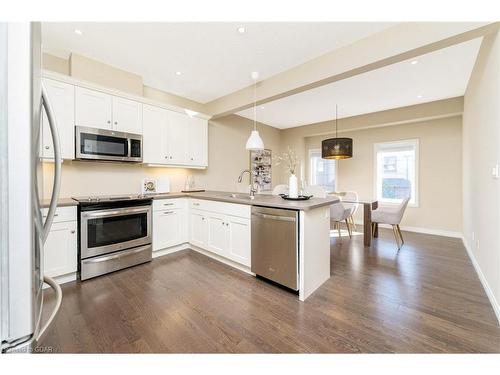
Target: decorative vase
{"type": "Point", "coordinates": [293, 189]}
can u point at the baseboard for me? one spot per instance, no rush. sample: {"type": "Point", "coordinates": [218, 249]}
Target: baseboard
{"type": "Point", "coordinates": [62, 279]}
{"type": "Point", "coordinates": [207, 253]}
{"type": "Point", "coordinates": [435, 232]}
{"type": "Point", "coordinates": [484, 282]}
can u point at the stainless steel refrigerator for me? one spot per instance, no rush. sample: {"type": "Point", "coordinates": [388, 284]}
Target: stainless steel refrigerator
{"type": "Point", "coordinates": [22, 231]}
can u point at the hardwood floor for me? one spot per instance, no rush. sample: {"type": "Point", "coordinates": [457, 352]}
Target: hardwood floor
{"type": "Point", "coordinates": [426, 298]}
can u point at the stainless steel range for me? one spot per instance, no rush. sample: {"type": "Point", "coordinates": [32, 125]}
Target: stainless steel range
{"type": "Point", "coordinates": [114, 233]}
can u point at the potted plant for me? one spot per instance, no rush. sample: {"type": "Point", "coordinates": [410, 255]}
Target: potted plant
{"type": "Point", "coordinates": [290, 161]}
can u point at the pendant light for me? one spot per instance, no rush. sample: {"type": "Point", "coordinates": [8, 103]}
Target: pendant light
{"type": "Point", "coordinates": [254, 142]}
{"type": "Point", "coordinates": [336, 148]}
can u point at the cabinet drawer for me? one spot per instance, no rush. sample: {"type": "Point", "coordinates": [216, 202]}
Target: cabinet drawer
{"type": "Point", "coordinates": [62, 214]}
{"type": "Point", "coordinates": [234, 209]}
{"type": "Point", "coordinates": [169, 204]}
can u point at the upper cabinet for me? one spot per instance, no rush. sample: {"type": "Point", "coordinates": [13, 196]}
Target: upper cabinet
{"type": "Point", "coordinates": [93, 109]}
{"type": "Point", "coordinates": [127, 115]}
{"type": "Point", "coordinates": [96, 109]}
{"type": "Point", "coordinates": [172, 138]}
{"type": "Point", "coordinates": [62, 100]}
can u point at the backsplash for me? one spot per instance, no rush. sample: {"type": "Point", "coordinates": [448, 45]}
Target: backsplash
{"type": "Point", "coordinates": [89, 178]}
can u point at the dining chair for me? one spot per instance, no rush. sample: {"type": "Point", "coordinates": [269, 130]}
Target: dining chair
{"type": "Point", "coordinates": [351, 196]}
{"type": "Point", "coordinates": [315, 190]}
{"type": "Point", "coordinates": [392, 216]}
{"type": "Point", "coordinates": [280, 189]}
{"type": "Point", "coordinates": [338, 214]}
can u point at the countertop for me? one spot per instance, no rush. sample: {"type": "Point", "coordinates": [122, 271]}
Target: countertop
{"type": "Point", "coordinates": [61, 202]}
{"type": "Point", "coordinates": [266, 200]}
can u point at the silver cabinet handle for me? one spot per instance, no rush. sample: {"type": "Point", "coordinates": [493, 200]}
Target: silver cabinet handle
{"type": "Point", "coordinates": [168, 204]}
{"type": "Point", "coordinates": [168, 212]}
{"type": "Point", "coordinates": [109, 122]}
{"type": "Point", "coordinates": [72, 232]}
{"type": "Point", "coordinates": [57, 164]}
{"type": "Point", "coordinates": [47, 147]}
{"type": "Point", "coordinates": [196, 204]}
{"type": "Point", "coordinates": [227, 224]}
{"type": "Point", "coordinates": [116, 122]}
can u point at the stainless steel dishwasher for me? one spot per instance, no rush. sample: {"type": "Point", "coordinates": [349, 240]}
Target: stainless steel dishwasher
{"type": "Point", "coordinates": [275, 245]}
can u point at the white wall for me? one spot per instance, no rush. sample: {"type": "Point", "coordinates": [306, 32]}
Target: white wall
{"type": "Point", "coordinates": [481, 151]}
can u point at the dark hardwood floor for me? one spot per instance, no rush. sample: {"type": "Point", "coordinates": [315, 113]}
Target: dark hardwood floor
{"type": "Point", "coordinates": [426, 298]}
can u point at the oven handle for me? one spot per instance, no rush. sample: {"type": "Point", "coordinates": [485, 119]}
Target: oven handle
{"type": "Point", "coordinates": [119, 255]}
{"type": "Point", "coordinates": [116, 212]}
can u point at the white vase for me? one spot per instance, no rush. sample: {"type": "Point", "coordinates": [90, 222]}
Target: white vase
{"type": "Point", "coordinates": [293, 188]}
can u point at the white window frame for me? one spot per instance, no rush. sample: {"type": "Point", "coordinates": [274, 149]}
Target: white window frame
{"type": "Point", "coordinates": [309, 177]}
{"type": "Point", "coordinates": [404, 142]}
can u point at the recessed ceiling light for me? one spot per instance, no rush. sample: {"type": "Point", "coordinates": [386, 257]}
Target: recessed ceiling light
{"type": "Point", "coordinates": [414, 62]}
{"type": "Point", "coordinates": [78, 32]}
{"type": "Point", "coordinates": [262, 107]}
{"type": "Point", "coordinates": [178, 73]}
{"type": "Point", "coordinates": [420, 96]}
{"type": "Point", "coordinates": [241, 29]}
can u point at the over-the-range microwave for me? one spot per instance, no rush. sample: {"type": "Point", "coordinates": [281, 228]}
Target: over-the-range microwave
{"type": "Point", "coordinates": [107, 145]}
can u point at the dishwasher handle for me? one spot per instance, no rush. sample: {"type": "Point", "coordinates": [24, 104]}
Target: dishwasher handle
{"type": "Point", "coordinates": [274, 217]}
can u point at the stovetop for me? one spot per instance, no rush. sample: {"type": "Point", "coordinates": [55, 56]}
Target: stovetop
{"type": "Point", "coordinates": [111, 198]}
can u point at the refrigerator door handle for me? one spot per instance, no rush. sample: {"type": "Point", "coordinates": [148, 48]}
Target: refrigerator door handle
{"type": "Point", "coordinates": [57, 164]}
{"type": "Point", "coordinates": [53, 204]}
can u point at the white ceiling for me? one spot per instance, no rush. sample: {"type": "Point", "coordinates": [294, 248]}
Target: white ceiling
{"type": "Point", "coordinates": [214, 58]}
{"type": "Point", "coordinates": [437, 75]}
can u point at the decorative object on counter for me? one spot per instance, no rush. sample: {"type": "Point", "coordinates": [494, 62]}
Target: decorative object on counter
{"type": "Point", "coordinates": [189, 183]}
{"type": "Point", "coordinates": [148, 186]}
{"type": "Point", "coordinates": [260, 166]}
{"type": "Point", "coordinates": [255, 142]}
{"type": "Point", "coordinates": [297, 198]}
{"type": "Point", "coordinates": [290, 160]}
{"type": "Point", "coordinates": [336, 148]}
{"type": "Point", "coordinates": [163, 185]}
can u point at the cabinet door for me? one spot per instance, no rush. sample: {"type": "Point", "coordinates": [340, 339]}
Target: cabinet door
{"type": "Point", "coordinates": [60, 249]}
{"type": "Point", "coordinates": [155, 123]}
{"type": "Point", "coordinates": [217, 234]}
{"type": "Point", "coordinates": [62, 100]}
{"type": "Point", "coordinates": [239, 240]}
{"type": "Point", "coordinates": [169, 228]}
{"type": "Point", "coordinates": [198, 142]}
{"type": "Point", "coordinates": [178, 138]}
{"type": "Point", "coordinates": [92, 108]}
{"type": "Point", "coordinates": [198, 232]}
{"type": "Point", "coordinates": [127, 115]}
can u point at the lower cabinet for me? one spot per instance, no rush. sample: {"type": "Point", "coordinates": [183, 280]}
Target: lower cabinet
{"type": "Point", "coordinates": [169, 228]}
{"type": "Point", "coordinates": [225, 235]}
{"type": "Point", "coordinates": [60, 249]}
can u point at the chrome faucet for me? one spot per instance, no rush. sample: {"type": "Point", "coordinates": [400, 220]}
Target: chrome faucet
{"type": "Point", "coordinates": [253, 190]}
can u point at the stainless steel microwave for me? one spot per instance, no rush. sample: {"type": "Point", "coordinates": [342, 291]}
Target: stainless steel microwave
{"type": "Point", "coordinates": [107, 145]}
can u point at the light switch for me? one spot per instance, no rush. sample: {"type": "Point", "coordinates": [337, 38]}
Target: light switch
{"type": "Point", "coordinates": [494, 172]}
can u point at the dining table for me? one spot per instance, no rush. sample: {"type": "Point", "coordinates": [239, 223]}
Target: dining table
{"type": "Point", "coordinates": [368, 206]}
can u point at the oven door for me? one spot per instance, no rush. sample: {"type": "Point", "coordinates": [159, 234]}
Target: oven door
{"type": "Point", "coordinates": [106, 231]}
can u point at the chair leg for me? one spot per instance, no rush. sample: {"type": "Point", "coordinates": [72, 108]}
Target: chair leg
{"type": "Point", "coordinates": [396, 236]}
{"type": "Point", "coordinates": [353, 224]}
{"type": "Point", "coordinates": [400, 234]}
{"type": "Point", "coordinates": [348, 227]}
{"type": "Point", "coordinates": [375, 230]}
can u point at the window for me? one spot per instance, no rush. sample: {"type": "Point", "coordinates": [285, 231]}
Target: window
{"type": "Point", "coordinates": [396, 171]}
{"type": "Point", "coordinates": [322, 172]}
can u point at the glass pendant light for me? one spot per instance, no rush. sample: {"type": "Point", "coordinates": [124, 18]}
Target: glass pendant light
{"type": "Point", "coordinates": [254, 142]}
{"type": "Point", "coordinates": [336, 148]}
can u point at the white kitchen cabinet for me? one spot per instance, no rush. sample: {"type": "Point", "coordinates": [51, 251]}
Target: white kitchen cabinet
{"type": "Point", "coordinates": [198, 228]}
{"type": "Point", "coordinates": [217, 234]}
{"type": "Point", "coordinates": [93, 109]}
{"type": "Point", "coordinates": [155, 133]}
{"type": "Point", "coordinates": [198, 142]}
{"type": "Point", "coordinates": [170, 228]}
{"type": "Point", "coordinates": [178, 138]}
{"type": "Point", "coordinates": [62, 100]}
{"type": "Point", "coordinates": [60, 249]}
{"type": "Point", "coordinates": [127, 115]}
{"type": "Point", "coordinates": [239, 240]}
